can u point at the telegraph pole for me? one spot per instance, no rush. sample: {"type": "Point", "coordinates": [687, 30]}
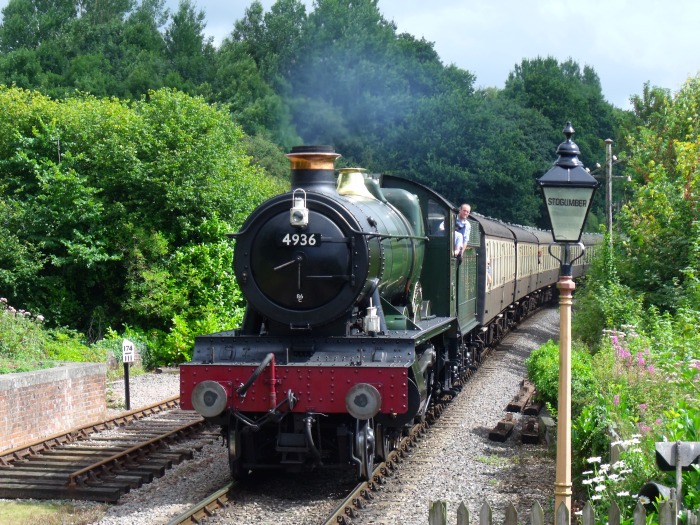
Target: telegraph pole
{"type": "Point", "coordinates": [608, 187]}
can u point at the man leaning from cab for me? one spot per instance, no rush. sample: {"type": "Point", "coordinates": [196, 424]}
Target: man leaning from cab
{"type": "Point", "coordinates": [463, 228]}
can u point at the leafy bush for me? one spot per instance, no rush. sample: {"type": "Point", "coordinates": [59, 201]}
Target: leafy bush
{"type": "Point", "coordinates": [603, 301]}
{"type": "Point", "coordinates": [543, 371]}
{"type": "Point", "coordinates": [27, 344]}
{"type": "Point", "coordinates": [116, 211]}
{"type": "Point", "coordinates": [646, 389]}
{"type": "Point", "coordinates": [112, 343]}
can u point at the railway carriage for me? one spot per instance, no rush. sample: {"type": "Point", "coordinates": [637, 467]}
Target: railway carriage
{"type": "Point", "coordinates": [358, 316]}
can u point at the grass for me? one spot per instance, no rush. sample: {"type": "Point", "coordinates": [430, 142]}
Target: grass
{"type": "Point", "coordinates": [11, 366]}
{"type": "Point", "coordinates": [497, 461]}
{"type": "Point", "coordinates": [50, 513]}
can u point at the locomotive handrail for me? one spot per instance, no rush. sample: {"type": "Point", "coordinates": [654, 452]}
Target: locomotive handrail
{"type": "Point", "coordinates": [393, 236]}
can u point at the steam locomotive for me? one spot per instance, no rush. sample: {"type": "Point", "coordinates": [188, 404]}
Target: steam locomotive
{"type": "Point", "coordinates": [358, 316]}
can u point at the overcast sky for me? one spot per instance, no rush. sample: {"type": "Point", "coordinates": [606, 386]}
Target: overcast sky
{"type": "Point", "coordinates": [627, 42]}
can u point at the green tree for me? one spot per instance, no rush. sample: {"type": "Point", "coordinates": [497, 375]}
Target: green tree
{"type": "Point", "coordinates": [252, 101]}
{"type": "Point", "coordinates": [563, 92]}
{"type": "Point", "coordinates": [117, 211]}
{"type": "Point", "coordinates": [32, 41]}
{"type": "Point", "coordinates": [189, 52]}
{"type": "Point", "coordinates": [28, 23]}
{"type": "Point", "coordinates": [660, 225]}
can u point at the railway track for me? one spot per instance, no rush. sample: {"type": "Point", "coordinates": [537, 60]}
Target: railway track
{"type": "Point", "coordinates": [104, 460]}
{"type": "Point", "coordinates": [344, 512]}
{"type": "Point", "coordinates": [375, 500]}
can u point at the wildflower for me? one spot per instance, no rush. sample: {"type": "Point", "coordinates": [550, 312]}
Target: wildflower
{"type": "Point", "coordinates": [600, 488]}
{"type": "Point", "coordinates": [596, 497]}
{"type": "Point", "coordinates": [40, 318]}
{"type": "Point", "coordinates": [605, 467]}
{"type": "Point", "coordinates": [598, 479]}
{"type": "Point", "coordinates": [644, 428]}
{"type": "Point", "coordinates": [587, 482]}
{"type": "Point", "coordinates": [616, 400]}
{"type": "Point", "coordinates": [3, 300]}
{"type": "Point", "coordinates": [651, 369]}
{"type": "Point", "coordinates": [658, 421]}
{"type": "Point", "coordinates": [614, 477]}
{"type": "Point", "coordinates": [642, 406]}
{"type": "Point", "coordinates": [643, 500]}
{"type": "Point", "coordinates": [623, 493]}
{"type": "Point", "coordinates": [595, 459]}
{"type": "Point", "coordinates": [587, 472]}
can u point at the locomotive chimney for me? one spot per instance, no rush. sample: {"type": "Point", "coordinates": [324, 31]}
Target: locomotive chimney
{"type": "Point", "coordinates": [313, 168]}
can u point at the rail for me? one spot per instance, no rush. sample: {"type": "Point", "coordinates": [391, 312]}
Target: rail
{"type": "Point", "coordinates": [78, 477]}
{"type": "Point", "coordinates": [206, 507]}
{"type": "Point", "coordinates": [78, 433]}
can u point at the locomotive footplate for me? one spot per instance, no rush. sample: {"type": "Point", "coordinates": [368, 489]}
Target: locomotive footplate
{"type": "Point", "coordinates": [319, 372]}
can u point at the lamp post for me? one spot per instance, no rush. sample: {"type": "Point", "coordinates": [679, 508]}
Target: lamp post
{"type": "Point", "coordinates": [568, 193]}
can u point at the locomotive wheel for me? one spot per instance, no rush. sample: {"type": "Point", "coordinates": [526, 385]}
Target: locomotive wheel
{"type": "Point", "coordinates": [235, 456]}
{"type": "Point", "coordinates": [387, 440]}
{"type": "Point", "coordinates": [365, 447]}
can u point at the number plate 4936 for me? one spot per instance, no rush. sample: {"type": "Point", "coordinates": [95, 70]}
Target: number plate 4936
{"type": "Point", "coordinates": [301, 239]}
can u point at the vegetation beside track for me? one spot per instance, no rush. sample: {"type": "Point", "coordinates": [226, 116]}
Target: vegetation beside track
{"type": "Point", "coordinates": [636, 378]}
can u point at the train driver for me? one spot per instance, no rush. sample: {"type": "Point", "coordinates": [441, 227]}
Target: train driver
{"type": "Point", "coordinates": [463, 225]}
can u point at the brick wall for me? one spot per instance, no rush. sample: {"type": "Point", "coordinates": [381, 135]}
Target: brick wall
{"type": "Point", "coordinates": [38, 404]}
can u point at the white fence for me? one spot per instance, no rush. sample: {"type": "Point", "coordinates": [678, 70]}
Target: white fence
{"type": "Point", "coordinates": [667, 515]}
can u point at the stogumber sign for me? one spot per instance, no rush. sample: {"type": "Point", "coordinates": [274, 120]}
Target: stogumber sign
{"type": "Point", "coordinates": [567, 208]}
{"type": "Point", "coordinates": [552, 201]}
{"type": "Point", "coordinates": [568, 191]}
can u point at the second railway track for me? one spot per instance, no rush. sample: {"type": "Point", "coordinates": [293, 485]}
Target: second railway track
{"type": "Point", "coordinates": [102, 462]}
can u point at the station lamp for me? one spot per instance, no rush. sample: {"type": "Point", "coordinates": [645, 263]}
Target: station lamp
{"type": "Point", "coordinates": [568, 192]}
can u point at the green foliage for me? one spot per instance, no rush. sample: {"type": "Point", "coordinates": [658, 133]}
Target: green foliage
{"type": "Point", "coordinates": [604, 301]}
{"type": "Point", "coordinates": [660, 225]}
{"type": "Point", "coordinates": [560, 92]}
{"type": "Point", "coordinates": [645, 292]}
{"type": "Point", "coordinates": [119, 211]}
{"type": "Point", "coordinates": [145, 344]}
{"type": "Point", "coordinates": [339, 74]}
{"type": "Point", "coordinates": [606, 482]}
{"type": "Point", "coordinates": [27, 344]}
{"type": "Point", "coordinates": [646, 389]}
{"type": "Point", "coordinates": [543, 371]}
